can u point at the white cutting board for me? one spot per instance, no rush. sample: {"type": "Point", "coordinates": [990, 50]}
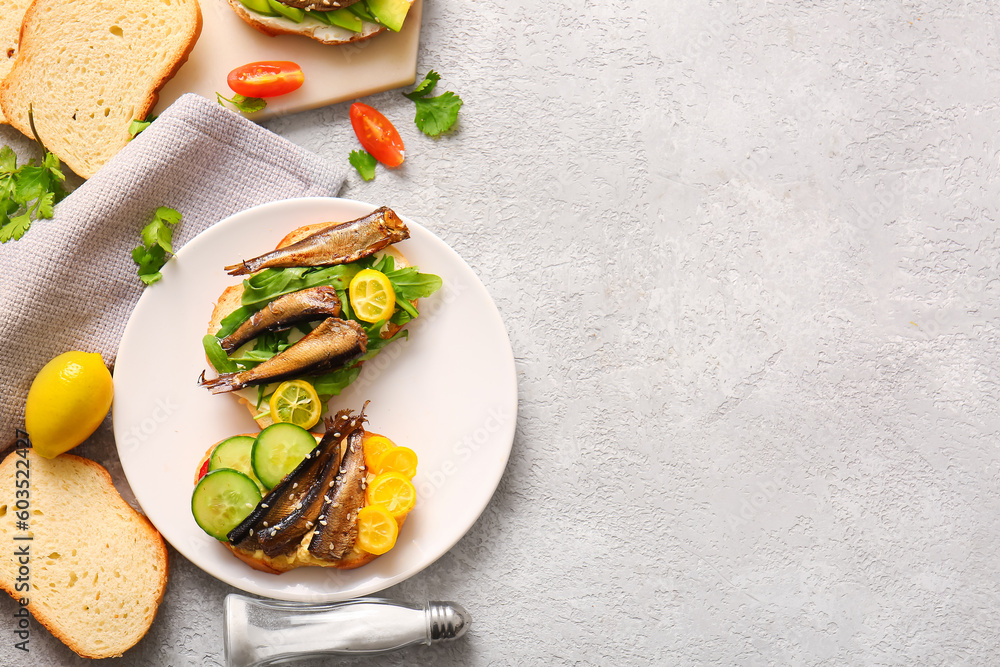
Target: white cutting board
{"type": "Point", "coordinates": [333, 73]}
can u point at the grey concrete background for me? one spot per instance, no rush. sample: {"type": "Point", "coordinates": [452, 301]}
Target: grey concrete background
{"type": "Point", "coordinates": [747, 254]}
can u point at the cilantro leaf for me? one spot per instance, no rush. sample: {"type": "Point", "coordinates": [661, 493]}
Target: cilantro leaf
{"type": "Point", "coordinates": [156, 238]}
{"type": "Point", "coordinates": [27, 193]}
{"type": "Point", "coordinates": [242, 103]}
{"type": "Point", "coordinates": [435, 115]}
{"type": "Point", "coordinates": [364, 162]}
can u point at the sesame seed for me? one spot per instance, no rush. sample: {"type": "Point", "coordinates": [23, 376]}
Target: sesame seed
{"type": "Point", "coordinates": [265, 524]}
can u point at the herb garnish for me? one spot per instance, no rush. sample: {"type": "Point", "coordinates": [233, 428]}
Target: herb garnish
{"type": "Point", "coordinates": [243, 103]}
{"type": "Point", "coordinates": [156, 239]}
{"type": "Point", "coordinates": [364, 162]}
{"type": "Point", "coordinates": [434, 114]}
{"type": "Point", "coordinates": [27, 193]}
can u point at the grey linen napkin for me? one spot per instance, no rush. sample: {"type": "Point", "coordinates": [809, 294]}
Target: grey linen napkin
{"type": "Point", "coordinates": [70, 283]}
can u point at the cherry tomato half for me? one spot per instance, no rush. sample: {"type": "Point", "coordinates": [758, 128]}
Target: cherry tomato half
{"type": "Point", "coordinates": [266, 79]}
{"type": "Point", "coordinates": [377, 135]}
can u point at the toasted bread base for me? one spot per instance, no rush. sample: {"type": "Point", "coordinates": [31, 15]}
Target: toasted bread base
{"type": "Point", "coordinates": [260, 561]}
{"type": "Point", "coordinates": [230, 298]}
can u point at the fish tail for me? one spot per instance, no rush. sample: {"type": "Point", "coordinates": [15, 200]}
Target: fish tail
{"type": "Point", "coordinates": [221, 384]}
{"type": "Point", "coordinates": [240, 269]}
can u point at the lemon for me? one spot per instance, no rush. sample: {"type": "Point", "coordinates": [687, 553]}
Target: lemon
{"type": "Point", "coordinates": [372, 296]}
{"type": "Point", "coordinates": [296, 402]}
{"type": "Point", "coordinates": [67, 401]}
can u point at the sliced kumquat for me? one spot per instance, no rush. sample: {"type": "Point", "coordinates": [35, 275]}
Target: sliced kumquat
{"type": "Point", "coordinates": [377, 530]}
{"type": "Point", "coordinates": [393, 491]}
{"type": "Point", "coordinates": [374, 447]}
{"type": "Point", "coordinates": [397, 459]}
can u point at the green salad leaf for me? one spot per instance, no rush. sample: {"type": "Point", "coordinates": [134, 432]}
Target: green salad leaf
{"type": "Point", "coordinates": [435, 115]}
{"type": "Point", "coordinates": [364, 162]}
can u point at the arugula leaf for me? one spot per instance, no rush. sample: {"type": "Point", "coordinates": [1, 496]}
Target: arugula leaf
{"type": "Point", "coordinates": [243, 103]}
{"type": "Point", "coordinates": [27, 193]}
{"type": "Point", "coordinates": [364, 162]}
{"type": "Point", "coordinates": [156, 238]}
{"type": "Point", "coordinates": [269, 284]}
{"type": "Point", "coordinates": [137, 126]}
{"type": "Point", "coordinates": [217, 356]}
{"type": "Point", "coordinates": [233, 320]}
{"type": "Point", "coordinates": [435, 115]}
{"type": "Point", "coordinates": [331, 384]}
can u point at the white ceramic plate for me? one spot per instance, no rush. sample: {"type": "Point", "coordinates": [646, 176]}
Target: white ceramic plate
{"type": "Point", "coordinates": [449, 393]}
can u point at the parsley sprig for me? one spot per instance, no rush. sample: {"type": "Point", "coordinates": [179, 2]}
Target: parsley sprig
{"type": "Point", "coordinates": [242, 103]}
{"type": "Point", "coordinates": [156, 239]}
{"type": "Point", "coordinates": [364, 162]}
{"type": "Point", "coordinates": [27, 193]}
{"type": "Point", "coordinates": [435, 115]}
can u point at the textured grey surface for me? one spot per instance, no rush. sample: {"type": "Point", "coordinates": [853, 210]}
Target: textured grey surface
{"type": "Point", "coordinates": [747, 254]}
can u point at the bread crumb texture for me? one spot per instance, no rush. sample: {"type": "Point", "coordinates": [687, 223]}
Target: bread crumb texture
{"type": "Point", "coordinates": [98, 569]}
{"type": "Point", "coordinates": [87, 68]}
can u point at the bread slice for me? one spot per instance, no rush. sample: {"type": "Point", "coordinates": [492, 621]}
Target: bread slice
{"type": "Point", "coordinates": [10, 30]}
{"type": "Point", "coordinates": [87, 68]}
{"type": "Point", "coordinates": [230, 300]}
{"type": "Point", "coordinates": [310, 27]}
{"type": "Point", "coordinates": [97, 569]}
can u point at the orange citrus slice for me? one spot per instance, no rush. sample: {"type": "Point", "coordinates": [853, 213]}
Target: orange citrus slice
{"type": "Point", "coordinates": [398, 459]}
{"type": "Point", "coordinates": [377, 530]}
{"type": "Point", "coordinates": [374, 447]}
{"type": "Point", "coordinates": [393, 491]}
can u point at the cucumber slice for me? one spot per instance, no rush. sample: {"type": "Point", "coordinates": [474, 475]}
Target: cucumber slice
{"type": "Point", "coordinates": [278, 449]}
{"type": "Point", "coordinates": [293, 13]}
{"type": "Point", "coordinates": [234, 453]}
{"type": "Point", "coordinates": [222, 499]}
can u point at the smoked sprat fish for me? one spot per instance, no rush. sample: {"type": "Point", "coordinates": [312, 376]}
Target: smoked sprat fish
{"type": "Point", "coordinates": [292, 508]}
{"type": "Point", "coordinates": [339, 243]}
{"type": "Point", "coordinates": [338, 518]}
{"type": "Point", "coordinates": [333, 343]}
{"type": "Point", "coordinates": [315, 303]}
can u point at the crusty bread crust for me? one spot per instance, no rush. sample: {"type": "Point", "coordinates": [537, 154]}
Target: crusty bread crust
{"type": "Point", "coordinates": [74, 509]}
{"type": "Point", "coordinates": [260, 561]}
{"type": "Point", "coordinates": [10, 32]}
{"type": "Point", "coordinates": [69, 108]}
{"type": "Point", "coordinates": [311, 28]}
{"type": "Point", "coordinates": [231, 296]}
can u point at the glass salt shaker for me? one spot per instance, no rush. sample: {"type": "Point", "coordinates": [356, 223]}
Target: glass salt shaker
{"type": "Point", "coordinates": [268, 632]}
